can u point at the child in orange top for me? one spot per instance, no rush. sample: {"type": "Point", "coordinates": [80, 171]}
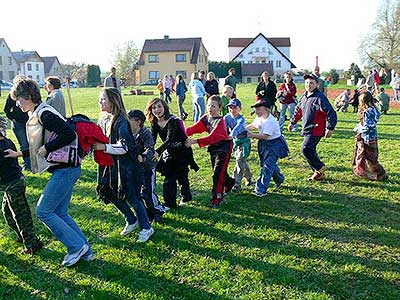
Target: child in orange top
{"type": "Point", "coordinates": [219, 146]}
{"type": "Point", "coordinates": [160, 88]}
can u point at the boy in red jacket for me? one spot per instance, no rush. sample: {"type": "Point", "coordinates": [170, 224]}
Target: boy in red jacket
{"type": "Point", "coordinates": [219, 146]}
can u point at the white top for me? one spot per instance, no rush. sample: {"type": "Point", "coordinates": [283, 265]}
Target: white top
{"type": "Point", "coordinates": [269, 126]}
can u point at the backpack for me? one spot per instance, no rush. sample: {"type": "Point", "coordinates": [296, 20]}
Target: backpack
{"type": "Point", "coordinates": [73, 121]}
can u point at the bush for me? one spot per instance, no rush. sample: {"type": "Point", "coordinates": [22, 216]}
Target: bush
{"type": "Point", "coordinates": [334, 75]}
{"type": "Point", "coordinates": [221, 68]}
{"type": "Point", "coordinates": [93, 75]}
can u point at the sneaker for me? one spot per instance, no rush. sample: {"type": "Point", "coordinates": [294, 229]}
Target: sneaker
{"type": "Point", "coordinates": [32, 250]}
{"type": "Point", "coordinates": [236, 189]}
{"type": "Point", "coordinates": [89, 257]}
{"type": "Point", "coordinates": [317, 176]}
{"type": "Point", "coordinates": [278, 185]}
{"type": "Point", "coordinates": [73, 258]}
{"type": "Point", "coordinates": [259, 194]}
{"type": "Point", "coordinates": [229, 186]}
{"type": "Point", "coordinates": [145, 234]}
{"type": "Point", "coordinates": [183, 203]}
{"type": "Point", "coordinates": [129, 228]}
{"type": "Point", "coordinates": [216, 202]}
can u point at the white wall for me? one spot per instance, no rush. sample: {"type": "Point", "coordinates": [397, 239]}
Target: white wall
{"type": "Point", "coordinates": [34, 74]}
{"type": "Point", "coordinates": [266, 52]}
{"type": "Point", "coordinates": [5, 67]}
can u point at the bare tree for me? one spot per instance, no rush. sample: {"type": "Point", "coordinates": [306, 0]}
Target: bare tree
{"type": "Point", "coordinates": [125, 58]}
{"type": "Point", "coordinates": [381, 46]}
{"type": "Point", "coordinates": [75, 70]}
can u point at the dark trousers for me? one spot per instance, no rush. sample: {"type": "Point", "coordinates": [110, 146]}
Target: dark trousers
{"type": "Point", "coordinates": [17, 213]}
{"type": "Point", "coordinates": [309, 150]}
{"type": "Point", "coordinates": [221, 178]}
{"type": "Point", "coordinates": [167, 93]}
{"type": "Point", "coordinates": [20, 133]}
{"type": "Point", "coordinates": [149, 195]}
{"type": "Point", "coordinates": [176, 173]}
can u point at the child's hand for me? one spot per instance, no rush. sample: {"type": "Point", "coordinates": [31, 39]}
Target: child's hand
{"type": "Point", "coordinates": [155, 156]}
{"type": "Point", "coordinates": [12, 153]}
{"type": "Point", "coordinates": [140, 158]}
{"type": "Point", "coordinates": [290, 127]}
{"type": "Point", "coordinates": [99, 146]}
{"type": "Point", "coordinates": [250, 134]}
{"type": "Point", "coordinates": [190, 142]}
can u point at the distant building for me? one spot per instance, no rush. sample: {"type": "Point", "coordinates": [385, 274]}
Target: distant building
{"type": "Point", "coordinates": [274, 53]}
{"type": "Point", "coordinates": [30, 64]}
{"type": "Point", "coordinates": [167, 56]}
{"type": "Point", "coordinates": [8, 64]}
{"type": "Point", "coordinates": [52, 66]}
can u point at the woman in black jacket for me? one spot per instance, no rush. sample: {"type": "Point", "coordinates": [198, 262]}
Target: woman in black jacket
{"type": "Point", "coordinates": [266, 89]}
{"type": "Point", "coordinates": [211, 85]}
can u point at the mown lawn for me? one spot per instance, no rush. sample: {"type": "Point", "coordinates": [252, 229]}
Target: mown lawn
{"type": "Point", "coordinates": [337, 239]}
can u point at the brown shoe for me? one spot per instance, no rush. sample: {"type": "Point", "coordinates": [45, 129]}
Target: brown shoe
{"type": "Point", "coordinates": [32, 250]}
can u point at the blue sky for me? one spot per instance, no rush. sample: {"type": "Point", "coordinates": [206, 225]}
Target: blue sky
{"type": "Point", "coordinates": [88, 31]}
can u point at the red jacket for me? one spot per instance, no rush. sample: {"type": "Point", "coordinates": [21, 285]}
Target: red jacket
{"type": "Point", "coordinates": [291, 92]}
{"type": "Point", "coordinates": [90, 133]}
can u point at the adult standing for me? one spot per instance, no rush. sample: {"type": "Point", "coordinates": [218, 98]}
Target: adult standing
{"type": "Point", "coordinates": [56, 97]}
{"type": "Point", "coordinates": [395, 84]}
{"type": "Point", "coordinates": [370, 81]}
{"type": "Point", "coordinates": [211, 85]}
{"type": "Point", "coordinates": [198, 92]}
{"type": "Point", "coordinates": [48, 131]}
{"type": "Point", "coordinates": [112, 80]}
{"type": "Point", "coordinates": [288, 90]}
{"type": "Point", "coordinates": [315, 110]}
{"type": "Point", "coordinates": [202, 77]}
{"type": "Point", "coordinates": [320, 82]}
{"type": "Point", "coordinates": [18, 120]}
{"type": "Point", "coordinates": [266, 90]}
{"type": "Point", "coordinates": [181, 90]}
{"type": "Point", "coordinates": [231, 79]}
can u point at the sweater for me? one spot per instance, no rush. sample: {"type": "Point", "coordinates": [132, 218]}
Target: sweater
{"type": "Point", "coordinates": [13, 112]}
{"type": "Point", "coordinates": [9, 167]}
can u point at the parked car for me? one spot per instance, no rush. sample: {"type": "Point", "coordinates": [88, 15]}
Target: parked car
{"type": "Point", "coordinates": [6, 85]}
{"type": "Point", "coordinates": [72, 84]}
{"type": "Point", "coordinates": [150, 82]}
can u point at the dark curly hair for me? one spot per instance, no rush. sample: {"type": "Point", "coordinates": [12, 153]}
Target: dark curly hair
{"type": "Point", "coordinates": [27, 89]}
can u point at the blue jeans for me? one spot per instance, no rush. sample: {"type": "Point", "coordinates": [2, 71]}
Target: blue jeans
{"type": "Point", "coordinates": [269, 169]}
{"type": "Point", "coordinates": [309, 150]}
{"type": "Point", "coordinates": [52, 208]}
{"type": "Point", "coordinates": [133, 186]}
{"type": "Point", "coordinates": [199, 108]}
{"type": "Point", "coordinates": [19, 130]}
{"type": "Point", "coordinates": [284, 107]}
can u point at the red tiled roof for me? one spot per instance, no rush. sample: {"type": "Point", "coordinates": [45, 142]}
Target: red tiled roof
{"type": "Point", "coordinates": [276, 41]}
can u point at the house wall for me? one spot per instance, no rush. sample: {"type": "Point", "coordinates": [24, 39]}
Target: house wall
{"type": "Point", "coordinates": [167, 65]}
{"type": "Point", "coordinates": [261, 51]}
{"type": "Point", "coordinates": [55, 70]}
{"type": "Point", "coordinates": [5, 66]}
{"type": "Point", "coordinates": [250, 79]}
{"type": "Point", "coordinates": [233, 51]}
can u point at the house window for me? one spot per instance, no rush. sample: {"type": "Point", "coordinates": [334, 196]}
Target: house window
{"type": "Point", "coordinates": [249, 62]}
{"type": "Point", "coordinates": [278, 64]}
{"type": "Point", "coordinates": [29, 67]}
{"type": "Point", "coordinates": [1, 75]}
{"type": "Point", "coordinates": [153, 59]}
{"type": "Point", "coordinates": [1, 60]}
{"type": "Point", "coordinates": [257, 50]}
{"type": "Point", "coordinates": [11, 75]}
{"type": "Point", "coordinates": [183, 73]}
{"type": "Point", "coordinates": [154, 75]}
{"type": "Point", "coordinates": [248, 79]}
{"type": "Point", "coordinates": [263, 49]}
{"type": "Point", "coordinates": [30, 76]}
{"type": "Point", "coordinates": [271, 62]}
{"type": "Point", "coordinates": [9, 61]}
{"type": "Point", "coordinates": [37, 67]}
{"type": "Point", "coordinates": [37, 78]}
{"type": "Point", "coordinates": [182, 57]}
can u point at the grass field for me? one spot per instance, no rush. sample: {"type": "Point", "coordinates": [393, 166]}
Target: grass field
{"type": "Point", "coordinates": [337, 239]}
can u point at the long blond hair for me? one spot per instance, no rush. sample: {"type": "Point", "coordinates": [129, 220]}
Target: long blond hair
{"type": "Point", "coordinates": [117, 105]}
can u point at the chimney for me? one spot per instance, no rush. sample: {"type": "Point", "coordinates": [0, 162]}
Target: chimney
{"type": "Point", "coordinates": [166, 37]}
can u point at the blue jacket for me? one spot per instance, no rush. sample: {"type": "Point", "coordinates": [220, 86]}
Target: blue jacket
{"type": "Point", "coordinates": [315, 110]}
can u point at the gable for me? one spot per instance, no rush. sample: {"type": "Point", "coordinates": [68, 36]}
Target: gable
{"type": "Point", "coordinates": [262, 45]}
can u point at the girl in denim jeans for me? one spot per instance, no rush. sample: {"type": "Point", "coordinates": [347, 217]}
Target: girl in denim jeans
{"type": "Point", "coordinates": [52, 208]}
{"type": "Point", "coordinates": [125, 177]}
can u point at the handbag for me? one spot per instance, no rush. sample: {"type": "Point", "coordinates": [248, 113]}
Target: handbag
{"type": "Point", "coordinates": [65, 155]}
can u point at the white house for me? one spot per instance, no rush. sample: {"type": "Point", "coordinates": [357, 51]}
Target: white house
{"type": "Point", "coordinates": [8, 64]}
{"type": "Point", "coordinates": [31, 65]}
{"type": "Point", "coordinates": [52, 66]}
{"type": "Point", "coordinates": [262, 50]}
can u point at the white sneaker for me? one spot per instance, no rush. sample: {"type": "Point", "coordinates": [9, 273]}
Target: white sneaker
{"type": "Point", "coordinates": [73, 258]}
{"type": "Point", "coordinates": [129, 228]}
{"type": "Point", "coordinates": [89, 257]}
{"type": "Point", "coordinates": [145, 234]}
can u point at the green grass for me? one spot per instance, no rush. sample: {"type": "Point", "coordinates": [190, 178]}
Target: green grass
{"type": "Point", "coordinates": [337, 239]}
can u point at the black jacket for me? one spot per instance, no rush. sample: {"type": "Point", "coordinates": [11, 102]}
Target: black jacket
{"type": "Point", "coordinates": [9, 167]}
{"type": "Point", "coordinates": [267, 91]}
{"type": "Point", "coordinates": [13, 112]}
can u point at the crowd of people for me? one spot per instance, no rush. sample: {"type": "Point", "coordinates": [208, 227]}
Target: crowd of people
{"type": "Point", "coordinates": [125, 149]}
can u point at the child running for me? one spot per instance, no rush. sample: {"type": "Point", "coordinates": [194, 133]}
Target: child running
{"type": "Point", "coordinates": [145, 151]}
{"type": "Point", "coordinates": [219, 146]}
{"type": "Point", "coordinates": [236, 125]}
{"type": "Point", "coordinates": [271, 146]}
